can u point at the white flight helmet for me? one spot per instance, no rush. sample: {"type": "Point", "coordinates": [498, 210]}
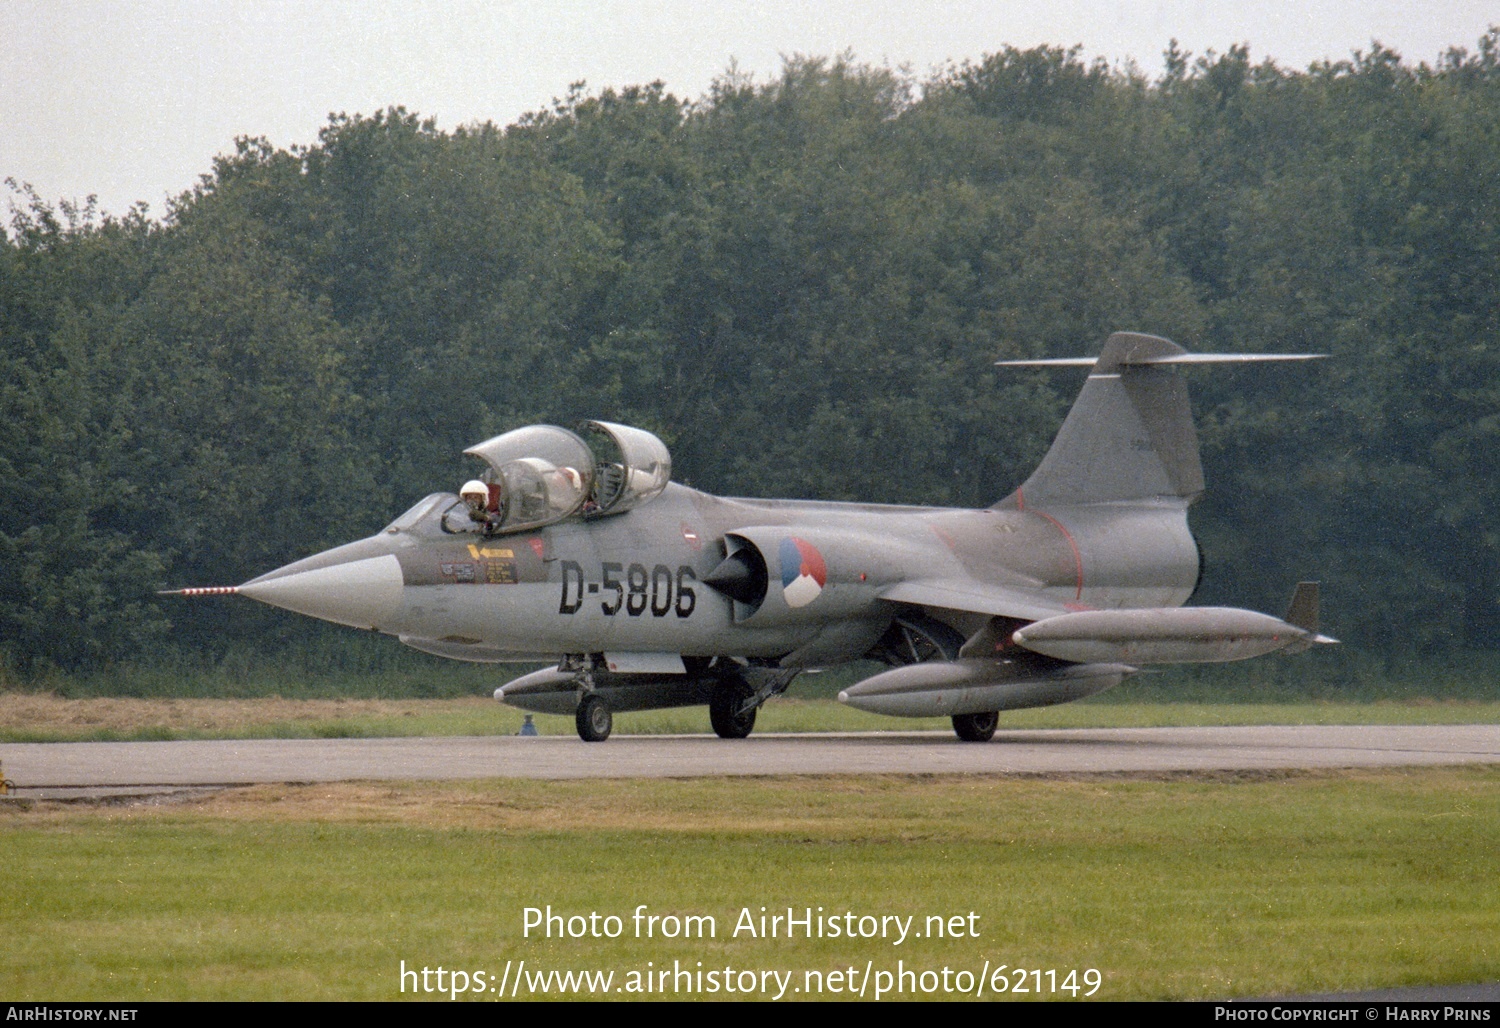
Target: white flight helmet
{"type": "Point", "coordinates": [475, 493]}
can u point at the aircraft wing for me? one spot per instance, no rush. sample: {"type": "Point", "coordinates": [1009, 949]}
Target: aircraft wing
{"type": "Point", "coordinates": [967, 595]}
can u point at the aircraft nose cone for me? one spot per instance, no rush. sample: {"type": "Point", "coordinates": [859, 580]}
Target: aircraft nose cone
{"type": "Point", "coordinates": [364, 592]}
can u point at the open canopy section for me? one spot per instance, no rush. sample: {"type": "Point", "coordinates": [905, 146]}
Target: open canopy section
{"type": "Point", "coordinates": [542, 474]}
{"type": "Point", "coordinates": [633, 466]}
{"type": "Point", "coordinates": [536, 475]}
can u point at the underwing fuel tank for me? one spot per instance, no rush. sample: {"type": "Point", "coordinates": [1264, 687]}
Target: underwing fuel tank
{"type": "Point", "coordinates": [1165, 635]}
{"type": "Point", "coordinates": [944, 688]}
{"type": "Point", "coordinates": [551, 691]}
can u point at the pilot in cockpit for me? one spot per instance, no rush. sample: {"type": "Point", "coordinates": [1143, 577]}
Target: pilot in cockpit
{"type": "Point", "coordinates": [482, 504]}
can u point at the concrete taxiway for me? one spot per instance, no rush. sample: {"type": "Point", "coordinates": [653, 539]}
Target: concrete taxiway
{"type": "Point", "coordinates": [105, 769]}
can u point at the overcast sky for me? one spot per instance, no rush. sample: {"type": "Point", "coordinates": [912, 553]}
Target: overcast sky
{"type": "Point", "coordinates": [132, 100]}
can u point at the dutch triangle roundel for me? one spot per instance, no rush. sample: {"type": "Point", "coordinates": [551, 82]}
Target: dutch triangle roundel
{"type": "Point", "coordinates": [803, 573]}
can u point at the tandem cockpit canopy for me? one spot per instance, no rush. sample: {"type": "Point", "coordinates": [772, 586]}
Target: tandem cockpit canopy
{"type": "Point", "coordinates": [542, 474]}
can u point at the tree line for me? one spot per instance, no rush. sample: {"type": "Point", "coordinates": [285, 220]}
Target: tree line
{"type": "Point", "coordinates": [800, 285]}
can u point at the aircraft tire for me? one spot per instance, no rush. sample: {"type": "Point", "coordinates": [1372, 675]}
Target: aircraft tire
{"type": "Point", "coordinates": [976, 727]}
{"type": "Point", "coordinates": [721, 706]}
{"type": "Point", "coordinates": [594, 719]}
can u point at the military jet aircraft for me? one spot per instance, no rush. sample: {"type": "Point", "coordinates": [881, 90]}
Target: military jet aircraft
{"type": "Point", "coordinates": [576, 549]}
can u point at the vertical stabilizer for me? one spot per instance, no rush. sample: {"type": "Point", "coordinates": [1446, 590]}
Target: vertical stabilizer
{"type": "Point", "coordinates": [1129, 436]}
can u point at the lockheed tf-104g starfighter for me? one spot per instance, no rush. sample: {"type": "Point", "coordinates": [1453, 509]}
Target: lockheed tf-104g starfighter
{"type": "Point", "coordinates": [576, 549]}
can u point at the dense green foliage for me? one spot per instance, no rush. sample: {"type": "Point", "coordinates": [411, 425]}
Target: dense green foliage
{"type": "Point", "coordinates": [800, 285]}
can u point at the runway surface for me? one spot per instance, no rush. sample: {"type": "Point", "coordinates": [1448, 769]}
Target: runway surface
{"type": "Point", "coordinates": [41, 770]}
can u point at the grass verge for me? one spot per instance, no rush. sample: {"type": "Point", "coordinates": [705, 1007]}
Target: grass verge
{"type": "Point", "coordinates": [1227, 886]}
{"type": "Point", "coordinates": [40, 717]}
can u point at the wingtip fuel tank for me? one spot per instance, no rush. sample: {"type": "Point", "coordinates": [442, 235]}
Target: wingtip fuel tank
{"type": "Point", "coordinates": [1163, 635]}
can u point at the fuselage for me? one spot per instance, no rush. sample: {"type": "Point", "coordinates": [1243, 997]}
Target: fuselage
{"type": "Point", "coordinates": [640, 593]}
{"type": "Point", "coordinates": [835, 574]}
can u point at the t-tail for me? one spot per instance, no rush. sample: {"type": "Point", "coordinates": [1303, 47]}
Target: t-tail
{"type": "Point", "coordinates": [1126, 460]}
{"type": "Point", "coordinates": [1129, 437]}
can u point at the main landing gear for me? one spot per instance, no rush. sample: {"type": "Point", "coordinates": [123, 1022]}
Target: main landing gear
{"type": "Point", "coordinates": [976, 727]}
{"type": "Point", "coordinates": [726, 709]}
{"type": "Point", "coordinates": [915, 639]}
{"type": "Point", "coordinates": [594, 719]}
{"type": "Point", "coordinates": [737, 696]}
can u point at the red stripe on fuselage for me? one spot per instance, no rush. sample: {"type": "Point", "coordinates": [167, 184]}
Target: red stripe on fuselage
{"type": "Point", "coordinates": [1073, 544]}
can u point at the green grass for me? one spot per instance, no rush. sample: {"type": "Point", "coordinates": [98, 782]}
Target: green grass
{"type": "Point", "coordinates": [1171, 889]}
{"type": "Point", "coordinates": [781, 715]}
{"type": "Point", "coordinates": [331, 662]}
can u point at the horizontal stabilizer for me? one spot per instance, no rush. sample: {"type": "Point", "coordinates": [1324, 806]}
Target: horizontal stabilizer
{"type": "Point", "coordinates": [1129, 437]}
{"type": "Point", "coordinates": [1176, 358]}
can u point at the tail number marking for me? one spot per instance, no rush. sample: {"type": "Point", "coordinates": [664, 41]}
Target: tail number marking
{"type": "Point", "coordinates": [631, 588]}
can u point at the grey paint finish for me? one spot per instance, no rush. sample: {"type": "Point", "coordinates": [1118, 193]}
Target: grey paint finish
{"type": "Point", "coordinates": [1152, 454]}
{"type": "Point", "coordinates": [1100, 526]}
{"type": "Point", "coordinates": [969, 686]}
{"type": "Point", "coordinates": [1183, 635]}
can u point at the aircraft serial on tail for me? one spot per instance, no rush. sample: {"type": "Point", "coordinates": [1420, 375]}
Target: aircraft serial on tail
{"type": "Point", "coordinates": [642, 593]}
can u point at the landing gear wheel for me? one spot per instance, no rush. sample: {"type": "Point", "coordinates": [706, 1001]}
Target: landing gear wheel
{"type": "Point", "coordinates": [594, 719]}
{"type": "Point", "coordinates": [722, 705]}
{"type": "Point", "coordinates": [976, 727]}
